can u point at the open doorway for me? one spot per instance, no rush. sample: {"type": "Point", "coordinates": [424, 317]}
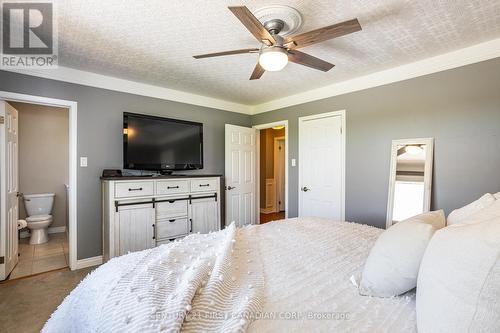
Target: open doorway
{"type": "Point", "coordinates": [272, 171]}
{"type": "Point", "coordinates": [38, 172]}
{"type": "Point", "coordinates": [42, 137]}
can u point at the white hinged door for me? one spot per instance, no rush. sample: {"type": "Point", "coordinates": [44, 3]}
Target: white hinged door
{"type": "Point", "coordinates": [240, 175]}
{"type": "Point", "coordinates": [9, 183]}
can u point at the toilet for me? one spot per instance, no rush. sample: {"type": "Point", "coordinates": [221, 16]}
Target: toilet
{"type": "Point", "coordinates": [39, 210]}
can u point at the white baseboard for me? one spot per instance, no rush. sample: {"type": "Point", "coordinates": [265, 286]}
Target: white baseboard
{"type": "Point", "coordinates": [88, 262]}
{"type": "Point", "coordinates": [52, 230]}
{"type": "Point", "coordinates": [268, 210]}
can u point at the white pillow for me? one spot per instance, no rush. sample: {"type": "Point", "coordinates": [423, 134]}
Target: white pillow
{"type": "Point", "coordinates": [458, 287]}
{"type": "Point", "coordinates": [392, 266]}
{"type": "Point", "coordinates": [497, 195]}
{"type": "Point", "coordinates": [461, 214]}
{"type": "Point", "coordinates": [490, 212]}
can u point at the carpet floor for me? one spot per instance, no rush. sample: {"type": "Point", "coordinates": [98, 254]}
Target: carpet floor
{"type": "Point", "coordinates": [27, 303]}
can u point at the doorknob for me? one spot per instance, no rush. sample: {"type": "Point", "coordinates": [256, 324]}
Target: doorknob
{"type": "Point", "coordinates": [305, 189]}
{"type": "Point", "coordinates": [229, 188]}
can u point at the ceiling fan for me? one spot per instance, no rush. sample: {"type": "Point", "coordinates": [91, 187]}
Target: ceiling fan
{"type": "Point", "coordinates": [276, 50]}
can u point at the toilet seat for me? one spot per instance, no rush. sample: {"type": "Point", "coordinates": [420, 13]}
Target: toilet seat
{"type": "Point", "coordinates": [38, 218]}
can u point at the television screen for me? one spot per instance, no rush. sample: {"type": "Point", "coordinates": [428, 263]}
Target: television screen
{"type": "Point", "coordinates": [156, 143]}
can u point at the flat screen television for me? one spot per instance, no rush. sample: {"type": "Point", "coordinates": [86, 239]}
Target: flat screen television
{"type": "Point", "coordinates": [161, 144]}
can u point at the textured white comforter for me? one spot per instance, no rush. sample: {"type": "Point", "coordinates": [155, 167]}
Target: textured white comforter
{"type": "Point", "coordinates": [291, 275]}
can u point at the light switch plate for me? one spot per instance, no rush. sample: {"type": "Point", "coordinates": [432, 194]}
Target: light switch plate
{"type": "Point", "coordinates": [83, 161]}
{"type": "Point", "coordinates": [294, 162]}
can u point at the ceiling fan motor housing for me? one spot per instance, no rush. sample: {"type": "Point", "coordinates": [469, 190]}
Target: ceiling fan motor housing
{"type": "Point", "coordinates": [274, 26]}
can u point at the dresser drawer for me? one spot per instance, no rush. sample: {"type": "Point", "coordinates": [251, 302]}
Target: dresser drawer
{"type": "Point", "coordinates": [172, 186]}
{"type": "Point", "coordinates": [204, 185]}
{"type": "Point", "coordinates": [168, 240]}
{"type": "Point", "coordinates": [167, 209]}
{"type": "Point", "coordinates": [170, 228]}
{"type": "Point", "coordinates": [133, 189]}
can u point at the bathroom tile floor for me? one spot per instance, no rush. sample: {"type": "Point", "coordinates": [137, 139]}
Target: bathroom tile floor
{"type": "Point", "coordinates": [34, 259]}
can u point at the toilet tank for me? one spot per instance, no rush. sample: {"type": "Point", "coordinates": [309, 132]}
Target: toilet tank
{"type": "Point", "coordinates": [39, 204]}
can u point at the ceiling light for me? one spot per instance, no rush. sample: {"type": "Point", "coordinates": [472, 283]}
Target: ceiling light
{"type": "Point", "coordinates": [413, 150]}
{"type": "Point", "coordinates": [278, 127]}
{"type": "Point", "coordinates": [273, 59]}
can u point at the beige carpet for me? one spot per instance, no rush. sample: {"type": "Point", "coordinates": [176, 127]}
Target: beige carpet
{"type": "Point", "coordinates": [26, 304]}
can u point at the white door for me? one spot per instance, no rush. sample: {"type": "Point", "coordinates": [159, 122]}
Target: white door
{"type": "Point", "coordinates": [240, 175]}
{"type": "Point", "coordinates": [279, 169]}
{"type": "Point", "coordinates": [9, 212]}
{"type": "Point", "coordinates": [321, 162]}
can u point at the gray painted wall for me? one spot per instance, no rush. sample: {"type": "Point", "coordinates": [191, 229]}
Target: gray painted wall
{"type": "Point", "coordinates": [100, 138]}
{"type": "Point", "coordinates": [460, 108]}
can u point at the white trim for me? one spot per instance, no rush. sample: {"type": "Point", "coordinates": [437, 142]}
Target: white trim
{"type": "Point", "coordinates": [276, 171]}
{"type": "Point", "coordinates": [73, 166]}
{"type": "Point", "coordinates": [427, 174]}
{"type": "Point", "coordinates": [257, 161]}
{"type": "Point", "coordinates": [462, 57]}
{"type": "Point", "coordinates": [90, 79]}
{"type": "Point", "coordinates": [269, 210]}
{"type": "Point", "coordinates": [51, 230]}
{"type": "Point", "coordinates": [88, 262]}
{"type": "Point", "coordinates": [342, 114]}
{"type": "Point", "coordinates": [466, 56]}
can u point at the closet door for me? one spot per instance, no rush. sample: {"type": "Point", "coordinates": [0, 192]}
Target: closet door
{"type": "Point", "coordinates": [136, 224]}
{"type": "Point", "coordinates": [321, 166]}
{"type": "Point", "coordinates": [204, 215]}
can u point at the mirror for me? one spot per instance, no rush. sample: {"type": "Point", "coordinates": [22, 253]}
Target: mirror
{"type": "Point", "coordinates": [410, 179]}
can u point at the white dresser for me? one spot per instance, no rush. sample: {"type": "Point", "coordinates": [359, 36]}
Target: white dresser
{"type": "Point", "coordinates": [140, 213]}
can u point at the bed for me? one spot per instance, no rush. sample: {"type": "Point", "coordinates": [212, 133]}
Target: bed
{"type": "Point", "coordinates": [293, 275]}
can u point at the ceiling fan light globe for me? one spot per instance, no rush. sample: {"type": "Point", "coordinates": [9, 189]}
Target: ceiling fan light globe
{"type": "Point", "coordinates": [273, 59]}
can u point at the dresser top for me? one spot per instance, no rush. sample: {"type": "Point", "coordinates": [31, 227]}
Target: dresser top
{"type": "Point", "coordinates": [159, 177]}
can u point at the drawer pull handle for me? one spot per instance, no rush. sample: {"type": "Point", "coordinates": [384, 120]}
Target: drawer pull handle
{"type": "Point", "coordinates": [204, 185]}
{"type": "Point", "coordinates": [154, 231]}
{"type": "Point", "coordinates": [172, 187]}
{"type": "Point", "coordinates": [171, 201]}
{"type": "Point", "coordinates": [135, 189]}
{"type": "Point", "coordinates": [173, 220]}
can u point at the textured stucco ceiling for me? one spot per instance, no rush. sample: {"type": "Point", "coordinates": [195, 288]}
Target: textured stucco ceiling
{"type": "Point", "coordinates": [153, 41]}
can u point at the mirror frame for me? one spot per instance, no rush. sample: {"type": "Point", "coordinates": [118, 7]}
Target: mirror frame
{"type": "Point", "coordinates": [429, 160]}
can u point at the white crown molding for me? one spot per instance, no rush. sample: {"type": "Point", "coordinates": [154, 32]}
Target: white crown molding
{"type": "Point", "coordinates": [466, 56]}
{"type": "Point", "coordinates": [76, 76]}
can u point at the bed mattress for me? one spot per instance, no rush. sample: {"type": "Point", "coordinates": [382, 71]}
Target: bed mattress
{"type": "Point", "coordinates": [293, 275]}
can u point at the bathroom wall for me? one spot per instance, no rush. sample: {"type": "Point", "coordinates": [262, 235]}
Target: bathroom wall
{"type": "Point", "coordinates": [43, 155]}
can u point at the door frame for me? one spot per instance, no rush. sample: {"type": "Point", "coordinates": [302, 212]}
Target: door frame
{"type": "Point", "coordinates": [276, 170]}
{"type": "Point", "coordinates": [342, 114]}
{"type": "Point", "coordinates": [73, 165]}
{"type": "Point", "coordinates": [260, 127]}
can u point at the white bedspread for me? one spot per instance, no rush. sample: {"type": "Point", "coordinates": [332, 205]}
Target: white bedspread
{"type": "Point", "coordinates": [291, 275]}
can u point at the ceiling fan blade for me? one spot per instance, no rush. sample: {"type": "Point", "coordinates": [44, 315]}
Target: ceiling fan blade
{"type": "Point", "coordinates": [257, 72]}
{"type": "Point", "coordinates": [309, 61]}
{"type": "Point", "coordinates": [322, 34]}
{"type": "Point", "coordinates": [252, 24]}
{"type": "Point", "coordinates": [224, 53]}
